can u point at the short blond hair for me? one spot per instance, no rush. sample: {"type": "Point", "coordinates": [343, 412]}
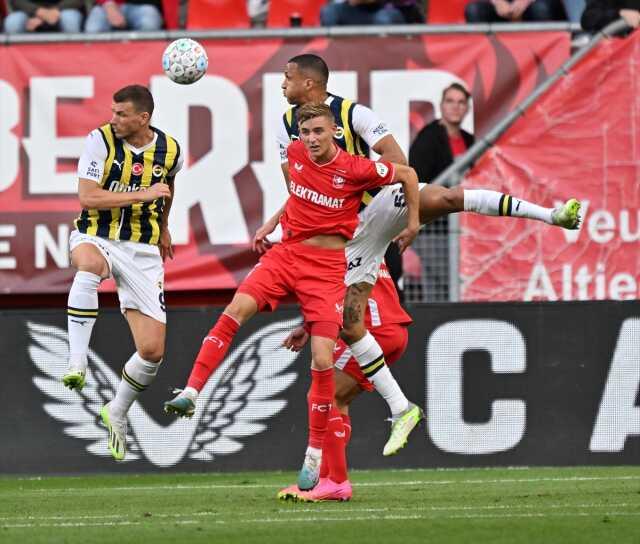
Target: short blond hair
{"type": "Point", "coordinates": [310, 111]}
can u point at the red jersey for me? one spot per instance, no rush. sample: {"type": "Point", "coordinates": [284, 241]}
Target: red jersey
{"type": "Point", "coordinates": [325, 198]}
{"type": "Point", "coordinates": [384, 305]}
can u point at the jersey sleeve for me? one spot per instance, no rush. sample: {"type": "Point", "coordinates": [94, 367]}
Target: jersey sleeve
{"type": "Point", "coordinates": [369, 174]}
{"type": "Point", "coordinates": [178, 165]}
{"type": "Point", "coordinates": [282, 139]}
{"type": "Point", "coordinates": [91, 163]}
{"type": "Point", "coordinates": [368, 125]}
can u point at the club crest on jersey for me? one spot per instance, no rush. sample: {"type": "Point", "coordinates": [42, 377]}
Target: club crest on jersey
{"type": "Point", "coordinates": [137, 169]}
{"type": "Point", "coordinates": [298, 166]}
{"type": "Point", "coordinates": [157, 170]}
{"type": "Point", "coordinates": [339, 133]}
{"type": "Point", "coordinates": [338, 182]}
{"type": "Point", "coordinates": [382, 169]}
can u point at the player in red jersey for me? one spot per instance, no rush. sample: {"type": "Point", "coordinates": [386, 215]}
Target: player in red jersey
{"type": "Point", "coordinates": [388, 322]}
{"type": "Point", "coordinates": [326, 185]}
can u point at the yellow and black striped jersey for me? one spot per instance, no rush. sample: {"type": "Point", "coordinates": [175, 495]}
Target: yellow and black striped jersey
{"type": "Point", "coordinates": [116, 166]}
{"type": "Point", "coordinates": [359, 129]}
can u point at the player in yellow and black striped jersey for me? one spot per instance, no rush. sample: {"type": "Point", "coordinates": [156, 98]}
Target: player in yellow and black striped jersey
{"type": "Point", "coordinates": [128, 169]}
{"type": "Point", "coordinates": [126, 182]}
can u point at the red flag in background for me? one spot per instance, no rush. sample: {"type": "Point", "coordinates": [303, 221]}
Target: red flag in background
{"type": "Point", "coordinates": [581, 139]}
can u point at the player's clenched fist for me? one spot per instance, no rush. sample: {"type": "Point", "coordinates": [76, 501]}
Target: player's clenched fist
{"type": "Point", "coordinates": [157, 190]}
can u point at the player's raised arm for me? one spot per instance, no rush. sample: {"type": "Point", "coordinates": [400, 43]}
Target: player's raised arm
{"type": "Point", "coordinates": [409, 179]}
{"type": "Point", "coordinates": [389, 150]}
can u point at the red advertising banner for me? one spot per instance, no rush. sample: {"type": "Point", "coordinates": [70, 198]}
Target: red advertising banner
{"type": "Point", "coordinates": [226, 123]}
{"type": "Point", "coordinates": [581, 139]}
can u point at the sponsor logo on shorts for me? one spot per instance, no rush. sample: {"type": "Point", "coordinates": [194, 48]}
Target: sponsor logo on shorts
{"type": "Point", "coordinates": [137, 169]}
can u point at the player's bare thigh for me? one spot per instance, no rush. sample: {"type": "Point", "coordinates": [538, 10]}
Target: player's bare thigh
{"type": "Point", "coordinates": [437, 201]}
{"type": "Point", "coordinates": [347, 389]}
{"type": "Point", "coordinates": [87, 258]}
{"type": "Point", "coordinates": [148, 335]}
{"type": "Point", "coordinates": [355, 306]}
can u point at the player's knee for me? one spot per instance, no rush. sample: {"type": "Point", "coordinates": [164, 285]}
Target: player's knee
{"type": "Point", "coordinates": [241, 308]}
{"type": "Point", "coordinates": [322, 362]}
{"type": "Point", "coordinates": [452, 200]}
{"type": "Point", "coordinates": [151, 351]}
{"type": "Point", "coordinates": [352, 332]}
{"type": "Point", "coordinates": [94, 264]}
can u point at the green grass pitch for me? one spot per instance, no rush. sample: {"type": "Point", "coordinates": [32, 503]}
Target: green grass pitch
{"type": "Point", "coordinates": [548, 505]}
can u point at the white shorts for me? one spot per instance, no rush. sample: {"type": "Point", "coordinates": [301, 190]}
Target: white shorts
{"type": "Point", "coordinates": [380, 222]}
{"type": "Point", "coordinates": [137, 270]}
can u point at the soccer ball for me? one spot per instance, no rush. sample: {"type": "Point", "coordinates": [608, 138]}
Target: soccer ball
{"type": "Point", "coordinates": [184, 61]}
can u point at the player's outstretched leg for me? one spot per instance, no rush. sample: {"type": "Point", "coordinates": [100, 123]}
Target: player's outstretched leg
{"type": "Point", "coordinates": [213, 351]}
{"type": "Point", "coordinates": [82, 311]}
{"type": "Point", "coordinates": [436, 201]}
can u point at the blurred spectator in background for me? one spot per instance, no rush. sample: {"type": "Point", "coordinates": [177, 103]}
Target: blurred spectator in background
{"type": "Point", "coordinates": [360, 12]}
{"type": "Point", "coordinates": [573, 9]}
{"type": "Point", "coordinates": [44, 16]}
{"type": "Point", "coordinates": [599, 13]}
{"type": "Point", "coordinates": [109, 15]}
{"type": "Point", "coordinates": [500, 11]}
{"type": "Point", "coordinates": [435, 147]}
{"type": "Point", "coordinates": [258, 11]}
{"type": "Point", "coordinates": [437, 144]}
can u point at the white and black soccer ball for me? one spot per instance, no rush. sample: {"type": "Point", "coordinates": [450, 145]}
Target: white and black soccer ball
{"type": "Point", "coordinates": [184, 61]}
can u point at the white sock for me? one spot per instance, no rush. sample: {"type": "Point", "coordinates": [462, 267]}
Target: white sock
{"type": "Point", "coordinates": [487, 202]}
{"type": "Point", "coordinates": [137, 374]}
{"type": "Point", "coordinates": [82, 311]}
{"type": "Point", "coordinates": [369, 355]}
{"type": "Point", "coordinates": [313, 452]}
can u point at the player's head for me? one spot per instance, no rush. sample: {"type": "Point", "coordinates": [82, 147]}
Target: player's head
{"type": "Point", "coordinates": [132, 109]}
{"type": "Point", "coordinates": [317, 128]}
{"type": "Point", "coordinates": [455, 103]}
{"type": "Point", "coordinates": [304, 75]}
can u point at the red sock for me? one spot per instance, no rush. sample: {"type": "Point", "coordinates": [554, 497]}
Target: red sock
{"type": "Point", "coordinates": [346, 421]}
{"type": "Point", "coordinates": [213, 350]}
{"type": "Point", "coordinates": [319, 402]}
{"type": "Point", "coordinates": [333, 447]}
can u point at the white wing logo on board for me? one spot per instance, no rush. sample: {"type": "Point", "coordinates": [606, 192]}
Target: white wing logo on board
{"type": "Point", "coordinates": [232, 406]}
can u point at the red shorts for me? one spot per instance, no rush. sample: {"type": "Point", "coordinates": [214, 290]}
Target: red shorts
{"type": "Point", "coordinates": [393, 339]}
{"type": "Point", "coordinates": [315, 275]}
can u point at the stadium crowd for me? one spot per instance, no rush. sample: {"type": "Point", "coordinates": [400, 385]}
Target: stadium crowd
{"type": "Point", "coordinates": [94, 16]}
